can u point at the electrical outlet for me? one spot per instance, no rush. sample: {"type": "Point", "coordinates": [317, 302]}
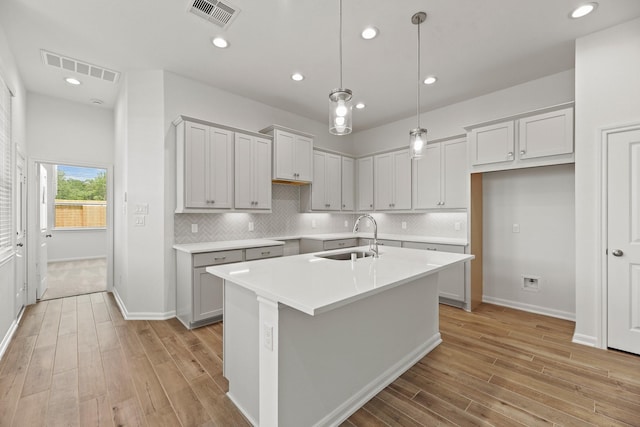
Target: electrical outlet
{"type": "Point", "coordinates": [251, 227]}
{"type": "Point", "coordinates": [194, 228]}
{"type": "Point", "coordinates": [267, 336]}
{"type": "Point", "coordinates": [515, 228]}
{"type": "Point", "coordinates": [404, 225]}
{"type": "Point", "coordinates": [313, 223]}
{"type": "Point", "coordinates": [456, 226]}
{"type": "Point", "coordinates": [346, 223]}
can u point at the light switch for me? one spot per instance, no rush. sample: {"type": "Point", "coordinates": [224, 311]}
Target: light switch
{"type": "Point", "coordinates": [142, 209]}
{"type": "Point", "coordinates": [267, 336]}
{"type": "Point", "coordinates": [138, 220]}
{"type": "Point", "coordinates": [516, 228]}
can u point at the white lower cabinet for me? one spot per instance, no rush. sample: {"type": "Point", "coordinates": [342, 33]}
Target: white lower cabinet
{"type": "Point", "coordinates": [316, 245]}
{"type": "Point", "coordinates": [451, 283]}
{"type": "Point", "coordinates": [199, 296]}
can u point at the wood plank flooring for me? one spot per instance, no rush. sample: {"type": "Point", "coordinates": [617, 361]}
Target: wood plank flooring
{"type": "Point", "coordinates": [77, 362]}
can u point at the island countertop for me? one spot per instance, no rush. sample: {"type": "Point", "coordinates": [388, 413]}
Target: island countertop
{"type": "Point", "coordinates": [315, 285]}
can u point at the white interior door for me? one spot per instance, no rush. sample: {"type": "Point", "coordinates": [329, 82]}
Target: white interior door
{"type": "Point", "coordinates": [44, 234]}
{"type": "Point", "coordinates": [623, 215]}
{"type": "Point", "coordinates": [21, 234]}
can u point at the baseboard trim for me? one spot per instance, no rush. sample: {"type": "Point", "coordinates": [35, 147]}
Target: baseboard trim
{"type": "Point", "coordinates": [585, 340]}
{"type": "Point", "coordinates": [84, 258]}
{"type": "Point", "coordinates": [530, 308]}
{"type": "Point", "coordinates": [241, 409]}
{"type": "Point", "coordinates": [4, 345]}
{"type": "Point", "coordinates": [140, 315]}
{"type": "Point", "coordinates": [344, 411]}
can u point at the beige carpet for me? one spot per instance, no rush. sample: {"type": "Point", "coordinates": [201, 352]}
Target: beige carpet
{"type": "Point", "coordinates": [68, 278]}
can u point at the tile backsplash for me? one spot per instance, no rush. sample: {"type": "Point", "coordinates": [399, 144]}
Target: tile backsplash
{"type": "Point", "coordinates": [286, 220]}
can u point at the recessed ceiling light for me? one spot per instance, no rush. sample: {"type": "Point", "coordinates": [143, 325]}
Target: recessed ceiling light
{"type": "Point", "coordinates": [220, 42]}
{"type": "Point", "coordinates": [583, 10]}
{"type": "Point", "coordinates": [72, 81]}
{"type": "Point", "coordinates": [430, 80]}
{"type": "Point", "coordinates": [369, 33]}
{"type": "Point", "coordinates": [297, 77]}
{"type": "Point", "coordinates": [360, 105]}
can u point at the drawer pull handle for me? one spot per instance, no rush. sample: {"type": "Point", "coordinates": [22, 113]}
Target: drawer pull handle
{"type": "Point", "coordinates": [431, 249]}
{"type": "Point", "coordinates": [265, 253]}
{"type": "Point", "coordinates": [221, 258]}
{"type": "Point", "coordinates": [341, 244]}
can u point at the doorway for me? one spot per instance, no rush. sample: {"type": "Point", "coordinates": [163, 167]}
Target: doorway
{"type": "Point", "coordinates": [74, 230]}
{"type": "Point", "coordinates": [621, 210]}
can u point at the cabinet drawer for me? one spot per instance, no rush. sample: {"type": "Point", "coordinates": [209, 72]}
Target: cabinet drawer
{"type": "Point", "coordinates": [434, 247]}
{"type": "Point", "coordinates": [216, 258]}
{"type": "Point", "coordinates": [339, 244]}
{"type": "Point", "coordinates": [265, 252]}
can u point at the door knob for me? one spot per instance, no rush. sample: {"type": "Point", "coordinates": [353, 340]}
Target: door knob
{"type": "Point", "coordinates": [617, 252]}
{"type": "Point", "coordinates": [48, 235]}
{"type": "Point", "coordinates": [20, 245]}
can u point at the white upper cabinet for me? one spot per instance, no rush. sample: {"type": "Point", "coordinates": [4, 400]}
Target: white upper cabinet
{"type": "Point", "coordinates": [348, 184]}
{"type": "Point", "coordinates": [392, 181]}
{"type": "Point", "coordinates": [252, 172]}
{"type": "Point", "coordinates": [364, 182]}
{"type": "Point", "coordinates": [327, 183]}
{"type": "Point", "coordinates": [440, 177]}
{"type": "Point", "coordinates": [292, 154]}
{"type": "Point", "coordinates": [204, 167]}
{"type": "Point", "coordinates": [540, 138]}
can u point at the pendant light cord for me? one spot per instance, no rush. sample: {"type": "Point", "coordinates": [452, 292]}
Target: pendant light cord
{"type": "Point", "coordinates": [418, 80]}
{"type": "Point", "coordinates": [340, 44]}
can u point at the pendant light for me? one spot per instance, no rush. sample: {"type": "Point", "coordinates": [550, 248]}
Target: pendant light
{"type": "Point", "coordinates": [340, 101]}
{"type": "Point", "coordinates": [418, 136]}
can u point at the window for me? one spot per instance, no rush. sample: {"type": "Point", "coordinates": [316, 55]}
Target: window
{"type": "Point", "coordinates": [81, 197]}
{"type": "Point", "coordinates": [6, 176]}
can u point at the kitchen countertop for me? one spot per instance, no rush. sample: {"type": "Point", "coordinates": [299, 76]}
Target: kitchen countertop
{"type": "Point", "coordinates": [194, 248]}
{"type": "Point", "coordinates": [314, 285]}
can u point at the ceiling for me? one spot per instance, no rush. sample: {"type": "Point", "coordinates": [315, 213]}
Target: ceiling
{"type": "Point", "coordinates": [474, 47]}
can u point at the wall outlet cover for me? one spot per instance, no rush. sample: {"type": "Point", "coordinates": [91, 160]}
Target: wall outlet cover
{"type": "Point", "coordinates": [194, 228]}
{"type": "Point", "coordinates": [404, 225]}
{"type": "Point", "coordinates": [251, 226]}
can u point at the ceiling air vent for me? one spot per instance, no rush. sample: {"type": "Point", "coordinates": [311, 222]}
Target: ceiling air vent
{"type": "Point", "coordinates": [220, 13]}
{"type": "Point", "coordinates": [80, 67]}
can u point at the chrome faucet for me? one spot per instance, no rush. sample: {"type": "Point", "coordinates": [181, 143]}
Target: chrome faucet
{"type": "Point", "coordinates": [373, 248]}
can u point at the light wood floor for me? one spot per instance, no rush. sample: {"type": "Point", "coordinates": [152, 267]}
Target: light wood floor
{"type": "Point", "coordinates": [75, 361]}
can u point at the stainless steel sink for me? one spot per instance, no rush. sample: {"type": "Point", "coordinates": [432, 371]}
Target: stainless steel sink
{"type": "Point", "coordinates": [346, 256]}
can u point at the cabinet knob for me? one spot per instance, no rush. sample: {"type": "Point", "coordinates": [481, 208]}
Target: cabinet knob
{"type": "Point", "coordinates": [523, 152]}
{"type": "Point", "coordinates": [510, 154]}
{"type": "Point", "coordinates": [344, 206]}
{"type": "Point", "coordinates": [370, 206]}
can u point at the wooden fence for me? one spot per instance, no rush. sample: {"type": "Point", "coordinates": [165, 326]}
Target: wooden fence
{"type": "Point", "coordinates": [80, 213]}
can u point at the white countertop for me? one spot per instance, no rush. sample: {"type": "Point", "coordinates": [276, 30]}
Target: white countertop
{"type": "Point", "coordinates": [194, 248]}
{"type": "Point", "coordinates": [315, 285]}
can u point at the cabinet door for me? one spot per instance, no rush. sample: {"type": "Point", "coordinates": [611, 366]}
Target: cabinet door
{"type": "Point", "coordinates": [546, 134]}
{"type": "Point", "coordinates": [261, 176]}
{"type": "Point", "coordinates": [303, 158]}
{"type": "Point", "coordinates": [283, 160]}
{"type": "Point", "coordinates": [383, 184]}
{"type": "Point", "coordinates": [401, 180]}
{"type": "Point", "coordinates": [348, 187]}
{"type": "Point", "coordinates": [333, 182]}
{"type": "Point", "coordinates": [195, 168]}
{"type": "Point", "coordinates": [492, 144]}
{"type": "Point", "coordinates": [243, 172]}
{"type": "Point", "coordinates": [427, 185]}
{"type": "Point", "coordinates": [220, 168]}
{"type": "Point", "coordinates": [455, 177]}
{"type": "Point", "coordinates": [364, 168]}
{"type": "Point", "coordinates": [207, 294]}
{"type": "Point", "coordinates": [318, 187]}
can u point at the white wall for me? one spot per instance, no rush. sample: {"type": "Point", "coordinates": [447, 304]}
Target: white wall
{"type": "Point", "coordinates": [63, 132]}
{"type": "Point", "coordinates": [69, 245]}
{"type": "Point", "coordinates": [11, 76]}
{"type": "Point", "coordinates": [450, 121]}
{"type": "Point", "coordinates": [607, 94]}
{"type": "Point", "coordinates": [541, 201]}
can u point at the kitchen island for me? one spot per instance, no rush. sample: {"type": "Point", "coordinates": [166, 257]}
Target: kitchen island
{"type": "Point", "coordinates": [308, 340]}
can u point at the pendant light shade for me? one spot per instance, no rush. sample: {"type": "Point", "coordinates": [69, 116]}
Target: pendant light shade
{"type": "Point", "coordinates": [340, 109]}
{"type": "Point", "coordinates": [418, 136]}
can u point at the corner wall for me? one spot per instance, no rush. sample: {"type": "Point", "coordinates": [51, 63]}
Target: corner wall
{"type": "Point", "coordinates": [607, 94]}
